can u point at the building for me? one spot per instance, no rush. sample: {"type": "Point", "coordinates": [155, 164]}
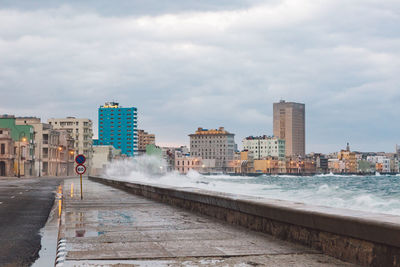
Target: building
{"type": "Point", "coordinates": [145, 139]}
{"type": "Point", "coordinates": [81, 131]}
{"type": "Point", "coordinates": [270, 166]}
{"type": "Point", "coordinates": [336, 165]}
{"type": "Point", "coordinates": [382, 163]}
{"type": "Point", "coordinates": [264, 146]}
{"type": "Point", "coordinates": [118, 127]}
{"type": "Point", "coordinates": [183, 164]}
{"type": "Point", "coordinates": [170, 153]}
{"type": "Point", "coordinates": [350, 160]}
{"type": "Point", "coordinates": [7, 154]}
{"type": "Point", "coordinates": [54, 149]}
{"type": "Point", "coordinates": [321, 162]}
{"type": "Point", "coordinates": [365, 167]}
{"type": "Point", "coordinates": [23, 137]}
{"type": "Point", "coordinates": [289, 125]}
{"type": "Point", "coordinates": [102, 155]}
{"type": "Point", "coordinates": [215, 147]}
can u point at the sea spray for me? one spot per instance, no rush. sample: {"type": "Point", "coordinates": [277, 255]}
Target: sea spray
{"type": "Point", "coordinates": [380, 194]}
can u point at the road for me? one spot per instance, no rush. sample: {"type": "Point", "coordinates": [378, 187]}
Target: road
{"type": "Point", "coordinates": [24, 207]}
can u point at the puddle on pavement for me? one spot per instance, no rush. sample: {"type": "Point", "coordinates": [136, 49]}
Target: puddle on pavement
{"type": "Point", "coordinates": [92, 223]}
{"type": "Point", "coordinates": [49, 233]}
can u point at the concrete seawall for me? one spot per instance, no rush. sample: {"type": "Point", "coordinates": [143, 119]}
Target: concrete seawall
{"type": "Point", "coordinates": [366, 239]}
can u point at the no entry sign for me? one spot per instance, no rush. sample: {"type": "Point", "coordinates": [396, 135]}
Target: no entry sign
{"type": "Point", "coordinates": [80, 169]}
{"type": "Point", "coordinates": [80, 159]}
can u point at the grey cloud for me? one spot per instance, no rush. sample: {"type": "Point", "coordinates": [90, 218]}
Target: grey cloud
{"type": "Point", "coordinates": [216, 65]}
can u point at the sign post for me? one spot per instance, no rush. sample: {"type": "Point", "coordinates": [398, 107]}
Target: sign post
{"type": "Point", "coordinates": [80, 168]}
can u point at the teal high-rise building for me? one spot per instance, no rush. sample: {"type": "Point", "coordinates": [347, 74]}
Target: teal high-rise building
{"type": "Point", "coordinates": [118, 127]}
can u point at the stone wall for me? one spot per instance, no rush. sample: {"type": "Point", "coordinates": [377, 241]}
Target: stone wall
{"type": "Point", "coordinates": [362, 238]}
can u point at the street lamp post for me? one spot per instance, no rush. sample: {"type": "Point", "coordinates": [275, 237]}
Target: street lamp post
{"type": "Point", "coordinates": [59, 149]}
{"type": "Point", "coordinates": [40, 157]}
{"type": "Point", "coordinates": [22, 138]}
{"type": "Point", "coordinates": [71, 152]}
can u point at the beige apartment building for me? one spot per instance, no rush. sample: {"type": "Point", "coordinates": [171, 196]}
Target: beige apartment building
{"type": "Point", "coordinates": [215, 147]}
{"type": "Point", "coordinates": [289, 125]}
{"type": "Point", "coordinates": [183, 164]}
{"type": "Point", "coordinates": [145, 139]}
{"type": "Point", "coordinates": [53, 149]}
{"type": "Point", "coordinates": [81, 130]}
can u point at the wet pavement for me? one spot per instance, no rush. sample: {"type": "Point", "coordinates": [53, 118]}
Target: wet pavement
{"type": "Point", "coordinates": [24, 208]}
{"type": "Point", "coordinates": [111, 227]}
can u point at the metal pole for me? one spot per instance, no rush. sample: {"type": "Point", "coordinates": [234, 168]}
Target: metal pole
{"type": "Point", "coordinates": [19, 152]}
{"type": "Point", "coordinates": [81, 188]}
{"type": "Point", "coordinates": [19, 159]}
{"type": "Point", "coordinates": [40, 156]}
{"type": "Point", "coordinates": [57, 161]}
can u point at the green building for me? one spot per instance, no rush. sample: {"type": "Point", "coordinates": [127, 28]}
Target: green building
{"type": "Point", "coordinates": [17, 131]}
{"type": "Point", "coordinates": [153, 150]}
{"type": "Point", "coordinates": [24, 135]}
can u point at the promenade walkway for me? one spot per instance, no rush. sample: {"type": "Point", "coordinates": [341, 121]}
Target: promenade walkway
{"type": "Point", "coordinates": [110, 227]}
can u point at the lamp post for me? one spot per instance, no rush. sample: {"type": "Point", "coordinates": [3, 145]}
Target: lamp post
{"type": "Point", "coordinates": [22, 138]}
{"type": "Point", "coordinates": [71, 152]}
{"type": "Point", "coordinates": [59, 149]}
{"type": "Point", "coordinates": [40, 157]}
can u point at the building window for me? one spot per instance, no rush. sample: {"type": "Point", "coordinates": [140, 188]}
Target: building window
{"type": "Point", "coordinates": [3, 149]}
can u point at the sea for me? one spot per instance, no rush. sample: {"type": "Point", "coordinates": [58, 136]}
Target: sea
{"type": "Point", "coordinates": [373, 193]}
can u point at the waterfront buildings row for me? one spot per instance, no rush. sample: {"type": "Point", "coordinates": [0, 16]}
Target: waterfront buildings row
{"type": "Point", "coordinates": [32, 148]}
{"type": "Point", "coordinates": [209, 153]}
{"type": "Point", "coordinates": [29, 147]}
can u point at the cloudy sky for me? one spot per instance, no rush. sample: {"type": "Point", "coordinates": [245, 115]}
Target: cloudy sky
{"type": "Point", "coordinates": [190, 63]}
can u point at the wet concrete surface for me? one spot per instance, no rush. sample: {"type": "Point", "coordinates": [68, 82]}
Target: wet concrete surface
{"type": "Point", "coordinates": [110, 227]}
{"type": "Point", "coordinates": [24, 207]}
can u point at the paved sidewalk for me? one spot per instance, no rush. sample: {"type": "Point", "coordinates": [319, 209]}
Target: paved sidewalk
{"type": "Point", "coordinates": [110, 227]}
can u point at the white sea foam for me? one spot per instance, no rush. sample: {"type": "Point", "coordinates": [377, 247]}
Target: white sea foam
{"type": "Point", "coordinates": [328, 190]}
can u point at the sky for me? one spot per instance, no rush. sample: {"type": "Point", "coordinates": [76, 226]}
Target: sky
{"type": "Point", "coordinates": [187, 64]}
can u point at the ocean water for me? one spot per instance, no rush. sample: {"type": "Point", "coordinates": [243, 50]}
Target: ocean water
{"type": "Point", "coordinates": [378, 193]}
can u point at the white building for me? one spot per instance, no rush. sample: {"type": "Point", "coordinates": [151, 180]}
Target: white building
{"type": "Point", "coordinates": [102, 155]}
{"type": "Point", "coordinates": [81, 130]}
{"type": "Point", "coordinates": [385, 161]}
{"type": "Point", "coordinates": [264, 146]}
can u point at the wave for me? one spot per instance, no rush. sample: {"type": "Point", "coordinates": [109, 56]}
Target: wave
{"type": "Point", "coordinates": [367, 193]}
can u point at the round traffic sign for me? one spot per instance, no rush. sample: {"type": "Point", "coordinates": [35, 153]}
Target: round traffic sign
{"type": "Point", "coordinates": [80, 169]}
{"type": "Point", "coordinates": [80, 159]}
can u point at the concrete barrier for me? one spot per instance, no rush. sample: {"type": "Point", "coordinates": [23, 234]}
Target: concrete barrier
{"type": "Point", "coordinates": [367, 239]}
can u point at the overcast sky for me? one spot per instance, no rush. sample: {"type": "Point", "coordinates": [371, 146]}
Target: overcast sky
{"type": "Point", "coordinates": [190, 63]}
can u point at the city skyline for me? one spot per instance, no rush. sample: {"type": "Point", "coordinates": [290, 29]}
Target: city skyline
{"type": "Point", "coordinates": [221, 64]}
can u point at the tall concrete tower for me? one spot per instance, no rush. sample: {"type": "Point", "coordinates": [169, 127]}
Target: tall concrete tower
{"type": "Point", "coordinates": [289, 124]}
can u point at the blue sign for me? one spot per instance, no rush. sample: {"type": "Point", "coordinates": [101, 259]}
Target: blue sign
{"type": "Point", "coordinates": [80, 159]}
